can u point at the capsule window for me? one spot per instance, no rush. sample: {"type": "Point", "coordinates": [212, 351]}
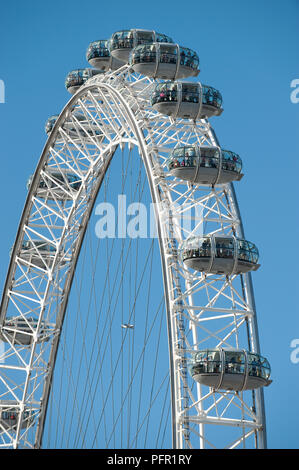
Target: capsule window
{"type": "Point", "coordinates": [125, 39]}
{"type": "Point", "coordinates": [182, 157]}
{"type": "Point", "coordinates": [247, 251]}
{"type": "Point", "coordinates": [200, 356]}
{"type": "Point", "coordinates": [98, 49]}
{"type": "Point", "coordinates": [197, 248]}
{"type": "Point", "coordinates": [265, 368]}
{"type": "Point", "coordinates": [211, 97]}
{"type": "Point", "coordinates": [78, 77]}
{"type": "Point", "coordinates": [50, 123]}
{"type": "Point", "coordinates": [208, 361]}
{"type": "Point", "coordinates": [102, 49]}
{"type": "Point", "coordinates": [144, 37]}
{"type": "Point", "coordinates": [84, 74]}
{"type": "Point", "coordinates": [168, 53]}
{"type": "Point", "coordinates": [200, 363]}
{"type": "Point", "coordinates": [209, 158]}
{"type": "Point", "coordinates": [214, 362]}
{"type": "Point", "coordinates": [190, 93]}
{"type": "Point", "coordinates": [38, 245]}
{"type": "Point", "coordinates": [234, 362]}
{"type": "Point", "coordinates": [254, 365]}
{"type": "Point", "coordinates": [177, 159]}
{"type": "Point", "coordinates": [190, 157]}
{"type": "Point", "coordinates": [162, 38]}
{"type": "Point", "coordinates": [8, 415]}
{"type": "Point", "coordinates": [72, 79]}
{"type": "Point", "coordinates": [165, 92]}
{"type": "Point", "coordinates": [205, 247]}
{"type": "Point", "coordinates": [224, 247]}
{"type": "Point", "coordinates": [188, 58]}
{"type": "Point", "coordinates": [144, 54]}
{"type": "Point", "coordinates": [190, 151]}
{"type": "Point", "coordinates": [179, 152]}
{"type": "Point", "coordinates": [231, 161]}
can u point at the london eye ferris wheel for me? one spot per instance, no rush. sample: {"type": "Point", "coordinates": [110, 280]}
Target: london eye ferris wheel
{"type": "Point", "coordinates": [133, 338]}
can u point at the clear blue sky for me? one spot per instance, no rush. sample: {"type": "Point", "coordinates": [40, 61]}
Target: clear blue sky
{"type": "Point", "coordinates": [249, 51]}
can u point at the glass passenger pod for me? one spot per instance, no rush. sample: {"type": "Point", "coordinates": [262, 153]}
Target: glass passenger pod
{"type": "Point", "coordinates": [187, 100]}
{"type": "Point", "coordinates": [38, 253]}
{"type": "Point", "coordinates": [20, 331]}
{"type": "Point", "coordinates": [219, 254]}
{"type": "Point", "coordinates": [205, 165]}
{"type": "Point", "coordinates": [51, 123]}
{"type": "Point", "coordinates": [84, 128]}
{"type": "Point", "coordinates": [57, 184]}
{"type": "Point", "coordinates": [99, 57]}
{"type": "Point", "coordinates": [76, 78]}
{"type": "Point", "coordinates": [122, 42]}
{"type": "Point", "coordinates": [223, 369]}
{"type": "Point", "coordinates": [164, 60]}
{"type": "Point", "coordinates": [9, 415]}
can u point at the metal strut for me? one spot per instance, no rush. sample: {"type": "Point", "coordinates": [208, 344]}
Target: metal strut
{"type": "Point", "coordinates": [179, 327]}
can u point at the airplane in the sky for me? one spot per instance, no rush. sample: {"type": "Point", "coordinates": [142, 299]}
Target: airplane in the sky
{"type": "Point", "coordinates": [127, 325]}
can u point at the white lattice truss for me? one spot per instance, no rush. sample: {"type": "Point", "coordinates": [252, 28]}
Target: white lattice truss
{"type": "Point", "coordinates": [203, 310]}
